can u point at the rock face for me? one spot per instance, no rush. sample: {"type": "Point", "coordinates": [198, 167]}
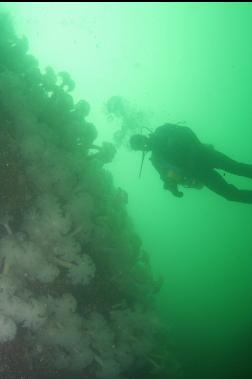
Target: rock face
{"type": "Point", "coordinates": [76, 289]}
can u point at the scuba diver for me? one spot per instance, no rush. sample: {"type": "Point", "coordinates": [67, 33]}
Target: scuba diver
{"type": "Point", "coordinates": [182, 159]}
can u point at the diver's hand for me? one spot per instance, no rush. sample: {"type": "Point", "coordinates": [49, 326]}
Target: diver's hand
{"type": "Point", "coordinates": [173, 188]}
{"type": "Point", "coordinates": [178, 194]}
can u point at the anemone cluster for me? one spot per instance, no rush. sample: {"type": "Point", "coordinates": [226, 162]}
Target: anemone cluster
{"type": "Point", "coordinates": [77, 296]}
{"type": "Point", "coordinates": [128, 117]}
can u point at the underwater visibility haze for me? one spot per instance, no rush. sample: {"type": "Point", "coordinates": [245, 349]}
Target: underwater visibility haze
{"type": "Point", "coordinates": [105, 274]}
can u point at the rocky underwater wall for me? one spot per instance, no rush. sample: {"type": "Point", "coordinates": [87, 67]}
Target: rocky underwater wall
{"type": "Point", "coordinates": [77, 296]}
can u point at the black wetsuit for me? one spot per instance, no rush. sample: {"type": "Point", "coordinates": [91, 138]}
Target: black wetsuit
{"type": "Point", "coordinates": [179, 146]}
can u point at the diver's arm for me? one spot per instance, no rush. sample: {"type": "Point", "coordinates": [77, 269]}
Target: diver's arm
{"type": "Point", "coordinates": [173, 188]}
{"type": "Point", "coordinates": [169, 184]}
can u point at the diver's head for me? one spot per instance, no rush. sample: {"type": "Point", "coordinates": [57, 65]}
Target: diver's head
{"type": "Point", "coordinates": [139, 142]}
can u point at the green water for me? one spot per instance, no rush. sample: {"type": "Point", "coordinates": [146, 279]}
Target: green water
{"type": "Point", "coordinates": [177, 62]}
